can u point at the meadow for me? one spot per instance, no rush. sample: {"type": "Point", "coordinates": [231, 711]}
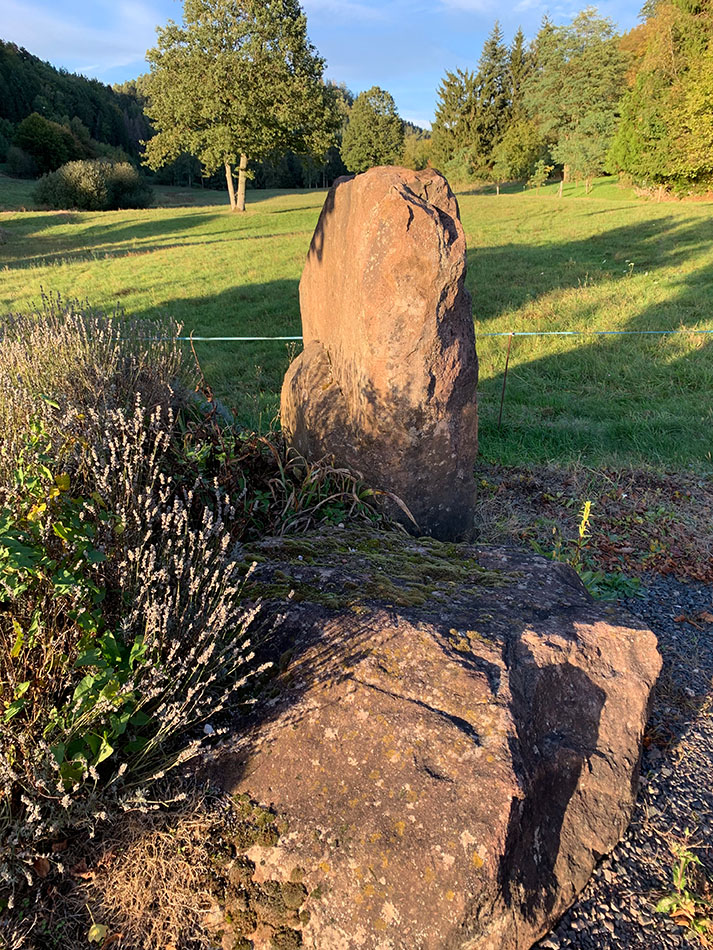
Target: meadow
{"type": "Point", "coordinates": [607, 261]}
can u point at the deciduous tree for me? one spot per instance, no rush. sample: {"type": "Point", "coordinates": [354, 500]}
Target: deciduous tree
{"type": "Point", "coordinates": [575, 88]}
{"type": "Point", "coordinates": [375, 133]}
{"type": "Point", "coordinates": [238, 79]}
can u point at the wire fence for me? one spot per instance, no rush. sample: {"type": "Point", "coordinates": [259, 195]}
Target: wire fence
{"type": "Point", "coordinates": [504, 333]}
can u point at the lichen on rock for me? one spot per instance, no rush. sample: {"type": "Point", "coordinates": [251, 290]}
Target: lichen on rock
{"type": "Point", "coordinates": [449, 767]}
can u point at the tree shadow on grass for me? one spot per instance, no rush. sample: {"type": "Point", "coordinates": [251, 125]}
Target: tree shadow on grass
{"type": "Point", "coordinates": [643, 400]}
{"type": "Point", "coordinates": [509, 276]}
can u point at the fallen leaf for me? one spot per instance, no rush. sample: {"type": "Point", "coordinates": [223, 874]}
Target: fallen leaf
{"type": "Point", "coordinates": [706, 616]}
{"type": "Point", "coordinates": [59, 846]}
{"type": "Point", "coordinates": [42, 867]}
{"type": "Point", "coordinates": [114, 938]}
{"type": "Point", "coordinates": [682, 618]}
{"type": "Point", "coordinates": [97, 933]}
{"type": "Point", "coordinates": [80, 869]}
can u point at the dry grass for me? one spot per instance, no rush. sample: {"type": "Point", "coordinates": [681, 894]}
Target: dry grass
{"type": "Point", "coordinates": [151, 887]}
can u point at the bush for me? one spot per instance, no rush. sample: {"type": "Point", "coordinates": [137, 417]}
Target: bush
{"type": "Point", "coordinates": [94, 185]}
{"type": "Point", "coordinates": [122, 622]}
{"type": "Point", "coordinates": [19, 164]}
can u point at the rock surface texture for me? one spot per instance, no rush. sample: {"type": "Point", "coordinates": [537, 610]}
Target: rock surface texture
{"type": "Point", "coordinates": [386, 382]}
{"type": "Point", "coordinates": [452, 742]}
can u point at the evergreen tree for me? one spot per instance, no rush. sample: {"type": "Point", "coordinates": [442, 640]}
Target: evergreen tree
{"type": "Point", "coordinates": [574, 90]}
{"type": "Point", "coordinates": [519, 67]}
{"type": "Point", "coordinates": [454, 113]}
{"type": "Point", "coordinates": [375, 133]}
{"type": "Point", "coordinates": [237, 79]}
{"type": "Point", "coordinates": [491, 99]}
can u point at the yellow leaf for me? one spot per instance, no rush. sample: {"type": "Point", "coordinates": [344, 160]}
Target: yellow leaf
{"type": "Point", "coordinates": [36, 512]}
{"type": "Point", "coordinates": [97, 933]}
{"type": "Point", "coordinates": [62, 481]}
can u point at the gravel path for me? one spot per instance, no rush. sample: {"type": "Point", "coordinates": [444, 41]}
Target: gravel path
{"type": "Point", "coordinates": [616, 909]}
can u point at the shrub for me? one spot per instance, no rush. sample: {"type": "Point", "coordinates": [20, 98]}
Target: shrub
{"type": "Point", "coordinates": [121, 629]}
{"type": "Point", "coordinates": [94, 185]}
{"type": "Point", "coordinates": [81, 359]}
{"type": "Point", "coordinates": [122, 623]}
{"type": "Point", "coordinates": [19, 164]}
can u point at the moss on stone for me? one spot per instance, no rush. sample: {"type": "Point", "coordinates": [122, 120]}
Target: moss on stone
{"type": "Point", "coordinates": [294, 895]}
{"type": "Point", "coordinates": [385, 568]}
{"type": "Point", "coordinates": [254, 825]}
{"type": "Point", "coordinates": [286, 939]}
{"type": "Point", "coordinates": [243, 922]}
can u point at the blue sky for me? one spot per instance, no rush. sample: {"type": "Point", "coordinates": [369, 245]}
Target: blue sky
{"type": "Point", "coordinates": [404, 46]}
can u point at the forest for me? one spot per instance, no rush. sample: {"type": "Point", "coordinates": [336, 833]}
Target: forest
{"type": "Point", "coordinates": [576, 101]}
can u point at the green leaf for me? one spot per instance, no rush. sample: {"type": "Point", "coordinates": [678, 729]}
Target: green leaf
{"type": "Point", "coordinates": [92, 657]}
{"type": "Point", "coordinates": [19, 639]}
{"type": "Point", "coordinates": [64, 582]}
{"type": "Point", "coordinates": [140, 718]}
{"type": "Point", "coordinates": [13, 709]}
{"type": "Point", "coordinates": [666, 905]}
{"type": "Point", "coordinates": [63, 531]}
{"type": "Point", "coordinates": [58, 751]}
{"type": "Point", "coordinates": [105, 750]}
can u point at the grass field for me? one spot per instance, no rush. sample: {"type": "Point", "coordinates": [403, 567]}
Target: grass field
{"type": "Point", "coordinates": [606, 261]}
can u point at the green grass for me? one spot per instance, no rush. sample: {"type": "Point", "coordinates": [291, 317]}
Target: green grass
{"type": "Point", "coordinates": [606, 261]}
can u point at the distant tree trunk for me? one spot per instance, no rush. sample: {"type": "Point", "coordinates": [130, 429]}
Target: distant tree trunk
{"type": "Point", "coordinates": [559, 193]}
{"type": "Point", "coordinates": [566, 173]}
{"type": "Point", "coordinates": [231, 186]}
{"type": "Point", "coordinates": [587, 185]}
{"type": "Point", "coordinates": [497, 187]}
{"type": "Point", "coordinates": [242, 180]}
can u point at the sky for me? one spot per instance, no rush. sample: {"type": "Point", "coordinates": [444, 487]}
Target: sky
{"type": "Point", "coordinates": [404, 46]}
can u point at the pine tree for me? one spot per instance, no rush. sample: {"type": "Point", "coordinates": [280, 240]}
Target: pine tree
{"type": "Point", "coordinates": [519, 68]}
{"type": "Point", "coordinates": [375, 133]}
{"type": "Point", "coordinates": [454, 115]}
{"type": "Point", "coordinates": [240, 79]}
{"type": "Point", "coordinates": [491, 98]}
{"type": "Point", "coordinates": [574, 90]}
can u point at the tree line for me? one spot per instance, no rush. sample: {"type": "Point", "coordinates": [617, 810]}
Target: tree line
{"type": "Point", "coordinates": [585, 100]}
{"type": "Point", "coordinates": [237, 91]}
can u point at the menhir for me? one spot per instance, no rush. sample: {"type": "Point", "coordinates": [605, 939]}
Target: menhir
{"type": "Point", "coordinates": [386, 383]}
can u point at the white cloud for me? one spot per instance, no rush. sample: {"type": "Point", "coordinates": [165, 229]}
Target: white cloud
{"type": "Point", "coordinates": [68, 41]}
{"type": "Point", "coordinates": [418, 120]}
{"type": "Point", "coordinates": [469, 6]}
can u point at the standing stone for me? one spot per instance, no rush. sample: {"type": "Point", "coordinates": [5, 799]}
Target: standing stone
{"type": "Point", "coordinates": [386, 383]}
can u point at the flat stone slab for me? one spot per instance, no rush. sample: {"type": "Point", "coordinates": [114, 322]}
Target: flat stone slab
{"type": "Point", "coordinates": [452, 736]}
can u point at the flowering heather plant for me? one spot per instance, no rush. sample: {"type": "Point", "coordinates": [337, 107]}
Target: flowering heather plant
{"type": "Point", "coordinates": [122, 626]}
{"type": "Point", "coordinates": [67, 356]}
{"type": "Point", "coordinates": [121, 630]}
